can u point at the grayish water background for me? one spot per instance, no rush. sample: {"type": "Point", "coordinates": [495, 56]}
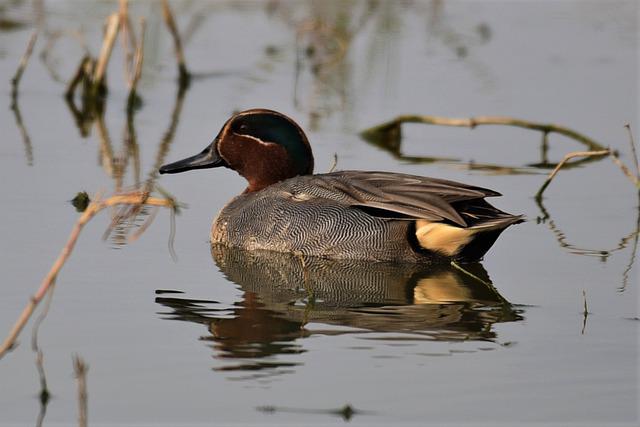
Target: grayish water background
{"type": "Point", "coordinates": [573, 63]}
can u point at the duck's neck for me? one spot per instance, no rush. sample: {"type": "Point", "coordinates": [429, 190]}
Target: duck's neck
{"type": "Point", "coordinates": [262, 163]}
{"type": "Point", "coordinates": [270, 168]}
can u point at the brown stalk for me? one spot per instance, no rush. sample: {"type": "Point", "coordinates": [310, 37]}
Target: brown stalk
{"type": "Point", "coordinates": [113, 22]}
{"type": "Point", "coordinates": [625, 170]}
{"type": "Point", "coordinates": [128, 40]}
{"type": "Point", "coordinates": [566, 158]}
{"type": "Point", "coordinates": [132, 198]}
{"type": "Point", "coordinates": [632, 142]}
{"type": "Point", "coordinates": [635, 179]}
{"type": "Point", "coordinates": [80, 369]}
{"type": "Point", "coordinates": [137, 71]}
{"type": "Point", "coordinates": [184, 75]}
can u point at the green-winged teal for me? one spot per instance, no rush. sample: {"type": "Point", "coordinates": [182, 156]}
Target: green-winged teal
{"type": "Point", "coordinates": [380, 216]}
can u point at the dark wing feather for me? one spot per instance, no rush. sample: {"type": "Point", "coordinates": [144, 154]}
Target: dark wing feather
{"type": "Point", "coordinates": [395, 195]}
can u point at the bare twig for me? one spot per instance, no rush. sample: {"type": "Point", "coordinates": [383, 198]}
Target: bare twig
{"type": "Point", "coordinates": [128, 40]}
{"type": "Point", "coordinates": [625, 170]}
{"type": "Point", "coordinates": [137, 72]}
{"type": "Point", "coordinates": [632, 142]}
{"type": "Point", "coordinates": [488, 284]}
{"type": "Point", "coordinates": [391, 130]}
{"type": "Point", "coordinates": [15, 81]}
{"type": "Point", "coordinates": [132, 198]}
{"type": "Point", "coordinates": [80, 369]}
{"type": "Point", "coordinates": [634, 249]}
{"type": "Point", "coordinates": [184, 75]}
{"type": "Point", "coordinates": [113, 22]}
{"type": "Point", "coordinates": [566, 158]}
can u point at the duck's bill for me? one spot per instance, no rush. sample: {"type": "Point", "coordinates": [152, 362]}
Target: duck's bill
{"type": "Point", "coordinates": [208, 158]}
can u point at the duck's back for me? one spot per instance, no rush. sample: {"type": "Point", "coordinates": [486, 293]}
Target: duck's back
{"type": "Point", "coordinates": [364, 215]}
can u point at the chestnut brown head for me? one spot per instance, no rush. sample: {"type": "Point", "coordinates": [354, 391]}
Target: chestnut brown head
{"type": "Point", "coordinates": [263, 146]}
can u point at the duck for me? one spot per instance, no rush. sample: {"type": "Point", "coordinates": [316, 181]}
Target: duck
{"type": "Point", "coordinates": [373, 216]}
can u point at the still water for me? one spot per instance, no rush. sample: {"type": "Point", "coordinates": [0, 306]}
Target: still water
{"type": "Point", "coordinates": [222, 337]}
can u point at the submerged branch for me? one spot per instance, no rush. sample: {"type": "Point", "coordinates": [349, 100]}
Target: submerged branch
{"type": "Point", "coordinates": [391, 131]}
{"type": "Point", "coordinates": [566, 158]}
{"type": "Point", "coordinates": [132, 198]}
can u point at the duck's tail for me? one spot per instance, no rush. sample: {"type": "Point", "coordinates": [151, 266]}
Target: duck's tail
{"type": "Point", "coordinates": [463, 243]}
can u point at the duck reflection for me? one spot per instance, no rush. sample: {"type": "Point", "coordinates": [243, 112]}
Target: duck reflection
{"type": "Point", "coordinates": [282, 293]}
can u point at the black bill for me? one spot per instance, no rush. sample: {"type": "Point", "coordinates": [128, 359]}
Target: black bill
{"type": "Point", "coordinates": [208, 158]}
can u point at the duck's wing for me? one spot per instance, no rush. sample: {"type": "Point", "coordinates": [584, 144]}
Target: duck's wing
{"type": "Point", "coordinates": [400, 196]}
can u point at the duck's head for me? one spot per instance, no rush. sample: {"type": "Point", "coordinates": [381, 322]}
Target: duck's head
{"type": "Point", "coordinates": [263, 146]}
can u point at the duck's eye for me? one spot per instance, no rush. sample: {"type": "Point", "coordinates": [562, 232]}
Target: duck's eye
{"type": "Point", "coordinates": [243, 127]}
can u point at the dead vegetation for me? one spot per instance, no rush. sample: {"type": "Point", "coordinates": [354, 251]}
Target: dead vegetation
{"type": "Point", "coordinates": [89, 85]}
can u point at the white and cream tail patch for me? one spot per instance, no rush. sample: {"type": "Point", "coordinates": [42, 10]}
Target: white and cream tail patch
{"type": "Point", "coordinates": [449, 239]}
{"type": "Point", "coordinates": [443, 238]}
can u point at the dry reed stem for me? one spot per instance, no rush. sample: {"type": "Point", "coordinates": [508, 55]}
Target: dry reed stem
{"type": "Point", "coordinates": [632, 142]}
{"type": "Point", "coordinates": [184, 75]}
{"type": "Point", "coordinates": [15, 81]}
{"type": "Point", "coordinates": [128, 40]}
{"type": "Point", "coordinates": [80, 369]}
{"type": "Point", "coordinates": [137, 72]}
{"type": "Point", "coordinates": [566, 158]}
{"type": "Point", "coordinates": [635, 179]}
{"type": "Point", "coordinates": [113, 22]}
{"type": "Point", "coordinates": [394, 126]}
{"type": "Point", "coordinates": [139, 57]}
{"type": "Point", "coordinates": [133, 198]}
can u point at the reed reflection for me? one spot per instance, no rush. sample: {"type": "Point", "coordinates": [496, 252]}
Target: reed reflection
{"type": "Point", "coordinates": [603, 253]}
{"type": "Point", "coordinates": [282, 293]}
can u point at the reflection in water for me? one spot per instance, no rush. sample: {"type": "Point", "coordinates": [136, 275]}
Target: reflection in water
{"type": "Point", "coordinates": [604, 253]}
{"type": "Point", "coordinates": [388, 137]}
{"type": "Point", "coordinates": [26, 139]}
{"type": "Point", "coordinates": [283, 293]}
{"type": "Point", "coordinates": [326, 60]}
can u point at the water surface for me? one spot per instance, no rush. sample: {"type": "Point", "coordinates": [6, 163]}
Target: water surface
{"type": "Point", "coordinates": [221, 337]}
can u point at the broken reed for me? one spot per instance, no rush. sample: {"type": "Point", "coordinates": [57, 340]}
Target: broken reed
{"type": "Point", "coordinates": [91, 72]}
{"type": "Point", "coordinates": [389, 134]}
{"type": "Point", "coordinates": [134, 198]}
